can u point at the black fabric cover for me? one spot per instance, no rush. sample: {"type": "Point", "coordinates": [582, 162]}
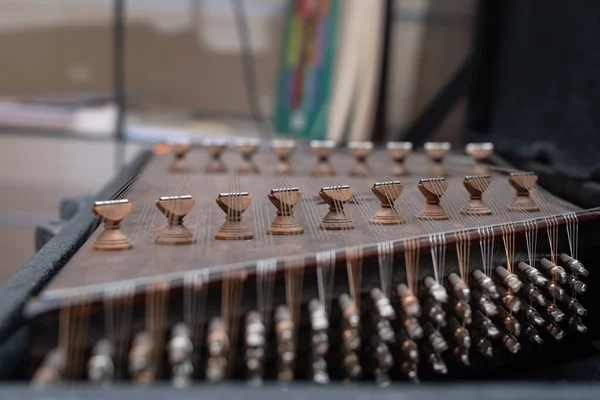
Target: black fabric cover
{"type": "Point", "coordinates": [536, 91]}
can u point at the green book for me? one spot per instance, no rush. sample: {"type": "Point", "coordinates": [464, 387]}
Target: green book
{"type": "Point", "coordinates": [306, 69]}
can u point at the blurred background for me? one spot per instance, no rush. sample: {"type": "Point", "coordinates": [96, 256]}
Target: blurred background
{"type": "Point", "coordinates": [340, 69]}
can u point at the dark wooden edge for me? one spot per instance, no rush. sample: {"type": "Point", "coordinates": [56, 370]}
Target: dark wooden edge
{"type": "Point", "coordinates": [491, 390]}
{"type": "Point", "coordinates": [95, 294]}
{"type": "Point", "coordinates": [48, 261]}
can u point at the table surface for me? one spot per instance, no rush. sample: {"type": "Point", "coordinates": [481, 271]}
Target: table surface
{"type": "Point", "coordinates": [35, 174]}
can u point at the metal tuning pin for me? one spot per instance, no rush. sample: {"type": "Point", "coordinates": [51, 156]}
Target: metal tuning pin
{"type": "Point", "coordinates": [283, 149]}
{"type": "Point", "coordinates": [175, 208]}
{"type": "Point", "coordinates": [436, 152]}
{"type": "Point", "coordinates": [350, 337]}
{"type": "Point", "coordinates": [112, 212]}
{"type": "Point", "coordinates": [360, 151]}
{"type": "Point", "coordinates": [459, 333]}
{"type": "Point", "coordinates": [555, 290]}
{"type": "Point", "coordinates": [413, 328]}
{"type": "Point", "coordinates": [286, 350]}
{"type": "Point", "coordinates": [141, 366]}
{"type": "Point", "coordinates": [435, 338]}
{"type": "Point", "coordinates": [532, 334]}
{"type": "Point", "coordinates": [382, 304]}
{"type": "Point", "coordinates": [574, 265]}
{"type": "Point", "coordinates": [555, 331]}
{"type": "Point", "coordinates": [437, 364]}
{"type": "Point", "coordinates": [511, 343]}
{"type": "Point", "coordinates": [247, 148]}
{"type": "Point", "coordinates": [216, 368]}
{"type": "Point", "coordinates": [101, 368]}
{"type": "Point", "coordinates": [462, 355]}
{"type": "Point", "coordinates": [486, 326]}
{"type": "Point", "coordinates": [510, 322]}
{"type": "Point", "coordinates": [217, 343]}
{"type": "Point", "coordinates": [435, 290]}
{"type": "Point", "coordinates": [336, 197]}
{"type": "Point", "coordinates": [215, 148]}
{"type": "Point", "coordinates": [352, 367]}
{"type": "Point", "coordinates": [459, 287]}
{"type": "Point", "coordinates": [384, 313]}
{"type": "Point", "coordinates": [410, 302]}
{"type": "Point", "coordinates": [433, 189]}
{"type": "Point", "coordinates": [411, 371]}
{"type": "Point", "coordinates": [532, 274]}
{"type": "Point", "coordinates": [574, 306]}
{"type": "Point", "coordinates": [384, 328]}
{"type": "Point", "coordinates": [575, 284]}
{"type": "Point", "coordinates": [255, 347]}
{"type": "Point", "coordinates": [435, 312]}
{"type": "Point", "coordinates": [554, 271]}
{"type": "Point", "coordinates": [483, 346]}
{"type": "Point", "coordinates": [523, 182]}
{"type": "Point", "coordinates": [486, 283]}
{"type": "Point", "coordinates": [399, 151]}
{"type": "Point", "coordinates": [476, 186]}
{"type": "Point", "coordinates": [409, 348]}
{"type": "Point", "coordinates": [510, 280]}
{"type": "Point", "coordinates": [576, 324]}
{"type": "Point", "coordinates": [387, 193]}
{"type": "Point", "coordinates": [285, 223]}
{"type": "Point", "coordinates": [318, 368]}
{"type": "Point", "coordinates": [534, 294]}
{"type": "Point", "coordinates": [533, 316]}
{"type": "Point", "coordinates": [319, 324]}
{"type": "Point", "coordinates": [234, 205]}
{"type": "Point", "coordinates": [485, 304]}
{"type": "Point", "coordinates": [556, 313]}
{"type": "Point", "coordinates": [322, 149]}
{"type": "Point", "coordinates": [180, 350]}
{"type": "Point", "coordinates": [382, 377]}
{"type": "Point", "coordinates": [510, 300]}
{"type": "Point", "coordinates": [435, 360]}
{"type": "Point", "coordinates": [383, 358]}
{"type": "Point", "coordinates": [463, 312]}
{"type": "Point", "coordinates": [349, 311]}
{"type": "Point", "coordinates": [180, 163]}
{"type": "Point", "coordinates": [480, 153]}
{"type": "Point", "coordinates": [51, 371]}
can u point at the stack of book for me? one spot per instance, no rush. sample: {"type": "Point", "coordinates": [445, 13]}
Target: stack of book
{"type": "Point", "coordinates": [331, 69]}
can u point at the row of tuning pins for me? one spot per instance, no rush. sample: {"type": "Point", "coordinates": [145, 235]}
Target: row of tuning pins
{"type": "Point", "coordinates": [500, 309]}
{"type": "Point", "coordinates": [323, 149]}
{"type": "Point", "coordinates": [175, 208]}
{"type": "Point", "coordinates": [530, 300]}
{"type": "Point", "coordinates": [142, 356]}
{"type": "Point", "coordinates": [180, 349]}
{"type": "Point", "coordinates": [405, 330]}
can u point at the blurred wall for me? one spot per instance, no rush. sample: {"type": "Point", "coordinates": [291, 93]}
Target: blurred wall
{"type": "Point", "coordinates": [183, 53]}
{"type": "Point", "coordinates": [432, 40]}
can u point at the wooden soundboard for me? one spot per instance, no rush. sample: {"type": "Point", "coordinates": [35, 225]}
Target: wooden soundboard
{"type": "Point", "coordinates": [146, 260]}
